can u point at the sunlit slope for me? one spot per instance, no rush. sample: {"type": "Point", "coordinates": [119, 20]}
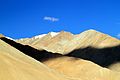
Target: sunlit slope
{"type": "Point", "coordinates": [14, 65]}
{"type": "Point", "coordinates": [86, 39]}
{"type": "Point", "coordinates": [65, 42]}
{"type": "Point", "coordinates": [79, 68]}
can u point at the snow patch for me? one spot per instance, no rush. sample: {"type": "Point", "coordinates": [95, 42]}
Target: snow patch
{"type": "Point", "coordinates": [40, 36]}
{"type": "Point", "coordinates": [54, 33]}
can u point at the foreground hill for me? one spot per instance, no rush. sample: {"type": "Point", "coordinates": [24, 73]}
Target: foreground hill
{"type": "Point", "coordinates": [79, 68]}
{"type": "Point", "coordinates": [15, 65]}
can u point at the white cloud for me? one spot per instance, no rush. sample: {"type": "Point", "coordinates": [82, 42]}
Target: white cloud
{"type": "Point", "coordinates": [53, 19]}
{"type": "Point", "coordinates": [118, 35]}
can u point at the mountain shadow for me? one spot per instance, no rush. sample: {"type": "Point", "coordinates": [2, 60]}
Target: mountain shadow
{"type": "Point", "coordinates": [103, 57]}
{"type": "Point", "coordinates": [30, 51]}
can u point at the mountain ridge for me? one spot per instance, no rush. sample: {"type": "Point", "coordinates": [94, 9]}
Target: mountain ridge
{"type": "Point", "coordinates": [65, 42]}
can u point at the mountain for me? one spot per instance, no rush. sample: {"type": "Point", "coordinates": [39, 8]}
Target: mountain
{"type": "Point", "coordinates": [65, 42]}
{"type": "Point", "coordinates": [83, 69]}
{"type": "Point", "coordinates": [56, 43]}
{"type": "Point", "coordinates": [96, 39]}
{"type": "Point", "coordinates": [90, 55]}
{"type": "Point", "coordinates": [89, 45]}
{"type": "Point", "coordinates": [15, 65]}
{"type": "Point", "coordinates": [39, 39]}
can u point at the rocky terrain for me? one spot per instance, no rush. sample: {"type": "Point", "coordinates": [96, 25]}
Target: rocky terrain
{"type": "Point", "coordinates": [65, 42]}
{"type": "Point", "coordinates": [90, 55]}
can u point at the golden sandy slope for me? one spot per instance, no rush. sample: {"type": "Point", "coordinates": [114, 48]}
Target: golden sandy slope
{"type": "Point", "coordinates": [78, 68]}
{"type": "Point", "coordinates": [14, 65]}
{"type": "Point", "coordinates": [115, 66]}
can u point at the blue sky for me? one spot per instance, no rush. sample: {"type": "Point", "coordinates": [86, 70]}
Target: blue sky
{"type": "Point", "coordinates": [27, 18]}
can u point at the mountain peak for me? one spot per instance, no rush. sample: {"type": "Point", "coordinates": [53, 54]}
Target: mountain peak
{"type": "Point", "coordinates": [91, 31]}
{"type": "Point", "coordinates": [53, 33]}
{"type": "Point", "coordinates": [65, 33]}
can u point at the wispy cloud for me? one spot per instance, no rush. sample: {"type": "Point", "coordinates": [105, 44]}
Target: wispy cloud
{"type": "Point", "coordinates": [118, 35]}
{"type": "Point", "coordinates": [53, 19]}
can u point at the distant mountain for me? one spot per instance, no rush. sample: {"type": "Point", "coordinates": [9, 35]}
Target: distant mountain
{"type": "Point", "coordinates": [31, 41]}
{"type": "Point", "coordinates": [65, 42]}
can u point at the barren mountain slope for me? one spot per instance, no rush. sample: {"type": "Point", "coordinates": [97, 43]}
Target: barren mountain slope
{"type": "Point", "coordinates": [83, 69]}
{"type": "Point", "coordinates": [56, 43]}
{"type": "Point", "coordinates": [36, 39]}
{"type": "Point", "coordinates": [88, 42]}
{"type": "Point", "coordinates": [96, 39]}
{"type": "Point", "coordinates": [15, 65]}
{"type": "Point", "coordinates": [85, 39]}
{"type": "Point", "coordinates": [66, 42]}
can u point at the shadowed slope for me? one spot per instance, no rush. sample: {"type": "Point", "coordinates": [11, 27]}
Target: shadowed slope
{"type": "Point", "coordinates": [36, 54]}
{"type": "Point", "coordinates": [103, 57]}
